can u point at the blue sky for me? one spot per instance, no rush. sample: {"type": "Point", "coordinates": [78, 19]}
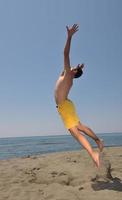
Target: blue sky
{"type": "Point", "coordinates": [32, 39]}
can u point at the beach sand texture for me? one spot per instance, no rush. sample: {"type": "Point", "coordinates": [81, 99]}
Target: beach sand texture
{"type": "Point", "coordinates": [62, 176]}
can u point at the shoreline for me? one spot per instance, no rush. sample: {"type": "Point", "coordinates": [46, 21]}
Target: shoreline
{"type": "Point", "coordinates": [55, 152]}
{"type": "Point", "coordinates": [26, 136]}
{"type": "Point", "coordinates": [69, 175]}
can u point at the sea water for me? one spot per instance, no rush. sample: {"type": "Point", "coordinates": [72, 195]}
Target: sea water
{"type": "Point", "coordinates": [35, 145]}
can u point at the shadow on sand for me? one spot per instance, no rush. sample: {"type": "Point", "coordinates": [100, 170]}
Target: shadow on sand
{"type": "Point", "coordinates": [114, 184]}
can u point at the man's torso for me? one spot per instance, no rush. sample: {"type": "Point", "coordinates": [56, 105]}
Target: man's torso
{"type": "Point", "coordinates": [62, 88]}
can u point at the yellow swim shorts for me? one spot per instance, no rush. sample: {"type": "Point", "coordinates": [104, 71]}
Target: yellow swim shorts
{"type": "Point", "coordinates": [68, 113]}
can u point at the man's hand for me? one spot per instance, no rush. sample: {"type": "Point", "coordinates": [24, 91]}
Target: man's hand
{"type": "Point", "coordinates": [72, 30]}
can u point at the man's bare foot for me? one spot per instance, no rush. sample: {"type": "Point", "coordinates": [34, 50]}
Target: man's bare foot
{"type": "Point", "coordinates": [96, 158]}
{"type": "Point", "coordinates": [99, 144]}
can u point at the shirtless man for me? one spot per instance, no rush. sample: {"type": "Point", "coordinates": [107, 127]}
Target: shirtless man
{"type": "Point", "coordinates": [66, 107]}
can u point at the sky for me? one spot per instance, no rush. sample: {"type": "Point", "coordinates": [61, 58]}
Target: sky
{"type": "Point", "coordinates": [32, 39]}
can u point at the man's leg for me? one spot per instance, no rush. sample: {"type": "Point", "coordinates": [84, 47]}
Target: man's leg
{"type": "Point", "coordinates": [82, 140]}
{"type": "Point", "coordinates": [91, 134]}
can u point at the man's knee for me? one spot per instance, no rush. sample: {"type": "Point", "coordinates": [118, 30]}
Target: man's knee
{"type": "Point", "coordinates": [74, 132]}
{"type": "Point", "coordinates": [83, 128]}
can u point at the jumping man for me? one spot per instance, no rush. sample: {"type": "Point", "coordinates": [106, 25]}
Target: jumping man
{"type": "Point", "coordinates": [66, 107]}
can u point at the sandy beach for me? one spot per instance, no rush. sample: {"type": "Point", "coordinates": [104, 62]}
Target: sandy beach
{"type": "Point", "coordinates": [62, 176]}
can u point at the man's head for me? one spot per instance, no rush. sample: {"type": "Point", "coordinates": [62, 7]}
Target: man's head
{"type": "Point", "coordinates": [77, 71]}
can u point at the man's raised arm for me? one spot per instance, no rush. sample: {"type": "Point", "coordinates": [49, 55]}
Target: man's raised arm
{"type": "Point", "coordinates": [70, 32]}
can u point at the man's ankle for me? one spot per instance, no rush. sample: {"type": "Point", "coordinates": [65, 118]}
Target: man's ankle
{"type": "Point", "coordinates": [97, 139]}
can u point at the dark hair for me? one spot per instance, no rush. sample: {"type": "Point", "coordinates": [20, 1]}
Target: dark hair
{"type": "Point", "coordinates": [78, 73]}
